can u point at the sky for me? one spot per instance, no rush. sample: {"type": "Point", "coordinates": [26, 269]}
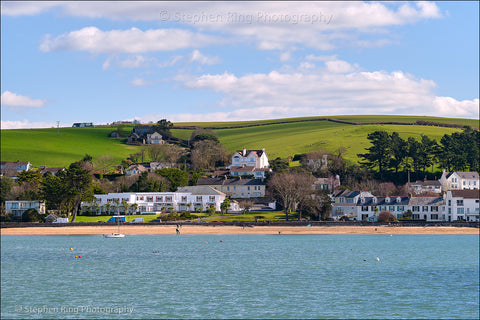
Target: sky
{"type": "Point", "coordinates": [100, 62]}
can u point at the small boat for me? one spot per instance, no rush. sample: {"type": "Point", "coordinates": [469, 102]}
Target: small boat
{"type": "Point", "coordinates": [114, 235]}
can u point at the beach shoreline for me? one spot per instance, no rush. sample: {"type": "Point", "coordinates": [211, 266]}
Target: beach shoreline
{"type": "Point", "coordinates": [237, 230]}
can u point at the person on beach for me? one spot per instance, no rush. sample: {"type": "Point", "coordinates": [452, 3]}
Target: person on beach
{"type": "Point", "coordinates": [178, 231]}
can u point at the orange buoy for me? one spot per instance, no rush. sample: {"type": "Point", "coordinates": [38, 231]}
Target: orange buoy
{"type": "Point", "coordinates": [71, 249]}
{"type": "Point", "coordinates": [76, 256]}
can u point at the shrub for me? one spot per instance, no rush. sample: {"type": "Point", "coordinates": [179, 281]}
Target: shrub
{"type": "Point", "coordinates": [31, 215]}
{"type": "Point", "coordinates": [210, 210]}
{"type": "Point", "coordinates": [386, 216]}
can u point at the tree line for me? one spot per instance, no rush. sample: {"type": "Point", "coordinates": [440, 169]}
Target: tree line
{"type": "Point", "coordinates": [389, 153]}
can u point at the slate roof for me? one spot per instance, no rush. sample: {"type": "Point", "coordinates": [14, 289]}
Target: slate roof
{"type": "Point", "coordinates": [229, 182]}
{"type": "Point", "coordinates": [426, 201]}
{"type": "Point", "coordinates": [257, 153]}
{"type": "Point", "coordinates": [466, 194]}
{"type": "Point", "coordinates": [427, 183]}
{"type": "Point", "coordinates": [347, 193]}
{"type": "Point", "coordinates": [200, 190]}
{"type": "Point", "coordinates": [381, 201]}
{"type": "Point", "coordinates": [464, 174]}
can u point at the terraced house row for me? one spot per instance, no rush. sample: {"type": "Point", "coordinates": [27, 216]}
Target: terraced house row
{"type": "Point", "coordinates": [451, 206]}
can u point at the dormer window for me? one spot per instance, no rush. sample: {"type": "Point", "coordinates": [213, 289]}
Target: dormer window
{"type": "Point", "coordinates": [399, 199]}
{"type": "Point", "coordinates": [374, 200]}
{"type": "Point", "coordinates": [387, 200]}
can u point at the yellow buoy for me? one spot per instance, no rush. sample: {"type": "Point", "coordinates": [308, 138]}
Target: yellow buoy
{"type": "Point", "coordinates": [71, 249]}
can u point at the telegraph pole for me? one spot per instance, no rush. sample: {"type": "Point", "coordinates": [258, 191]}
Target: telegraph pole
{"type": "Point", "coordinates": [58, 128]}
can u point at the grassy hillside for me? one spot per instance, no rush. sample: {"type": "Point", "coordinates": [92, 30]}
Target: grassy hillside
{"type": "Point", "coordinates": [47, 147]}
{"type": "Point", "coordinates": [280, 137]}
{"type": "Point", "coordinates": [283, 140]}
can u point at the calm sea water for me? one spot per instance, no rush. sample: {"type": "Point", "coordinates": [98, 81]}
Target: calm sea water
{"type": "Point", "coordinates": [247, 276]}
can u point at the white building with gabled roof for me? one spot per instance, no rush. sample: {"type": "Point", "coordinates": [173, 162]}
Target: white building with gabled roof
{"type": "Point", "coordinates": [459, 180]}
{"type": "Point", "coordinates": [253, 162]}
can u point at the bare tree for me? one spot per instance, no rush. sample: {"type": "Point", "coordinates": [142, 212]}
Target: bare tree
{"type": "Point", "coordinates": [292, 188]}
{"type": "Point", "coordinates": [155, 152]}
{"type": "Point", "coordinates": [206, 153]}
{"type": "Point", "coordinates": [104, 163]}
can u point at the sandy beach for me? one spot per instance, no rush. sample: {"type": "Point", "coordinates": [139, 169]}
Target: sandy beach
{"type": "Point", "coordinates": [196, 229]}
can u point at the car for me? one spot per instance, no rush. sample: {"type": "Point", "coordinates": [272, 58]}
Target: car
{"type": "Point", "coordinates": [156, 220]}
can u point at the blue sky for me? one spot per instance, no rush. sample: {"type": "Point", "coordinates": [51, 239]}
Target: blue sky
{"type": "Point", "coordinates": [224, 61]}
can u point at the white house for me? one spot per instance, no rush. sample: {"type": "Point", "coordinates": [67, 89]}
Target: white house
{"type": "Point", "coordinates": [427, 208]}
{"type": "Point", "coordinates": [459, 180]}
{"type": "Point", "coordinates": [462, 205]}
{"type": "Point", "coordinates": [185, 199]}
{"type": "Point", "coordinates": [18, 207]}
{"type": "Point", "coordinates": [250, 162]}
{"type": "Point", "coordinates": [154, 138]}
{"type": "Point", "coordinates": [345, 202]}
{"type": "Point", "coordinates": [370, 206]}
{"type": "Point", "coordinates": [426, 186]}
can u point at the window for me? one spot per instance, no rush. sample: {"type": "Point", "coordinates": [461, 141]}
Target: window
{"type": "Point", "coordinates": [364, 208]}
{"type": "Point", "coordinates": [449, 202]}
{"type": "Point", "coordinates": [199, 198]}
{"type": "Point", "coordinates": [425, 209]}
{"type": "Point", "coordinates": [341, 200]}
{"type": "Point", "coordinates": [434, 216]}
{"type": "Point", "coordinates": [391, 208]}
{"type": "Point", "coordinates": [460, 211]}
{"type": "Point", "coordinates": [400, 208]}
{"type": "Point", "coordinates": [459, 202]}
{"type": "Point", "coordinates": [150, 199]}
{"type": "Point", "coordinates": [184, 198]}
{"type": "Point", "coordinates": [211, 198]}
{"type": "Point", "coordinates": [434, 208]}
{"type": "Point", "coordinates": [349, 200]}
{"type": "Point", "coordinates": [415, 216]}
{"type": "Point", "coordinates": [416, 209]}
{"type": "Point", "coordinates": [159, 199]}
{"type": "Point", "coordinates": [168, 198]}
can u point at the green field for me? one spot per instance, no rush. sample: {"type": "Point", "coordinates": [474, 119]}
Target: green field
{"type": "Point", "coordinates": [47, 147]}
{"type": "Point", "coordinates": [280, 138]}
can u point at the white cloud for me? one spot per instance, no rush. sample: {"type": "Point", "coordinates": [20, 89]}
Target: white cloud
{"type": "Point", "coordinates": [447, 106]}
{"type": "Point", "coordinates": [139, 82]}
{"type": "Point", "coordinates": [339, 66]}
{"type": "Point", "coordinates": [131, 62]}
{"type": "Point", "coordinates": [94, 40]}
{"type": "Point", "coordinates": [26, 8]}
{"type": "Point", "coordinates": [197, 56]}
{"type": "Point", "coordinates": [271, 25]}
{"type": "Point", "coordinates": [11, 99]}
{"type": "Point", "coordinates": [340, 88]}
{"type": "Point", "coordinates": [25, 124]}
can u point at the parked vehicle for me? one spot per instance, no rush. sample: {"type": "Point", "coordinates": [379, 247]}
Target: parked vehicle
{"type": "Point", "coordinates": [121, 219]}
{"type": "Point", "coordinates": [137, 220]}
